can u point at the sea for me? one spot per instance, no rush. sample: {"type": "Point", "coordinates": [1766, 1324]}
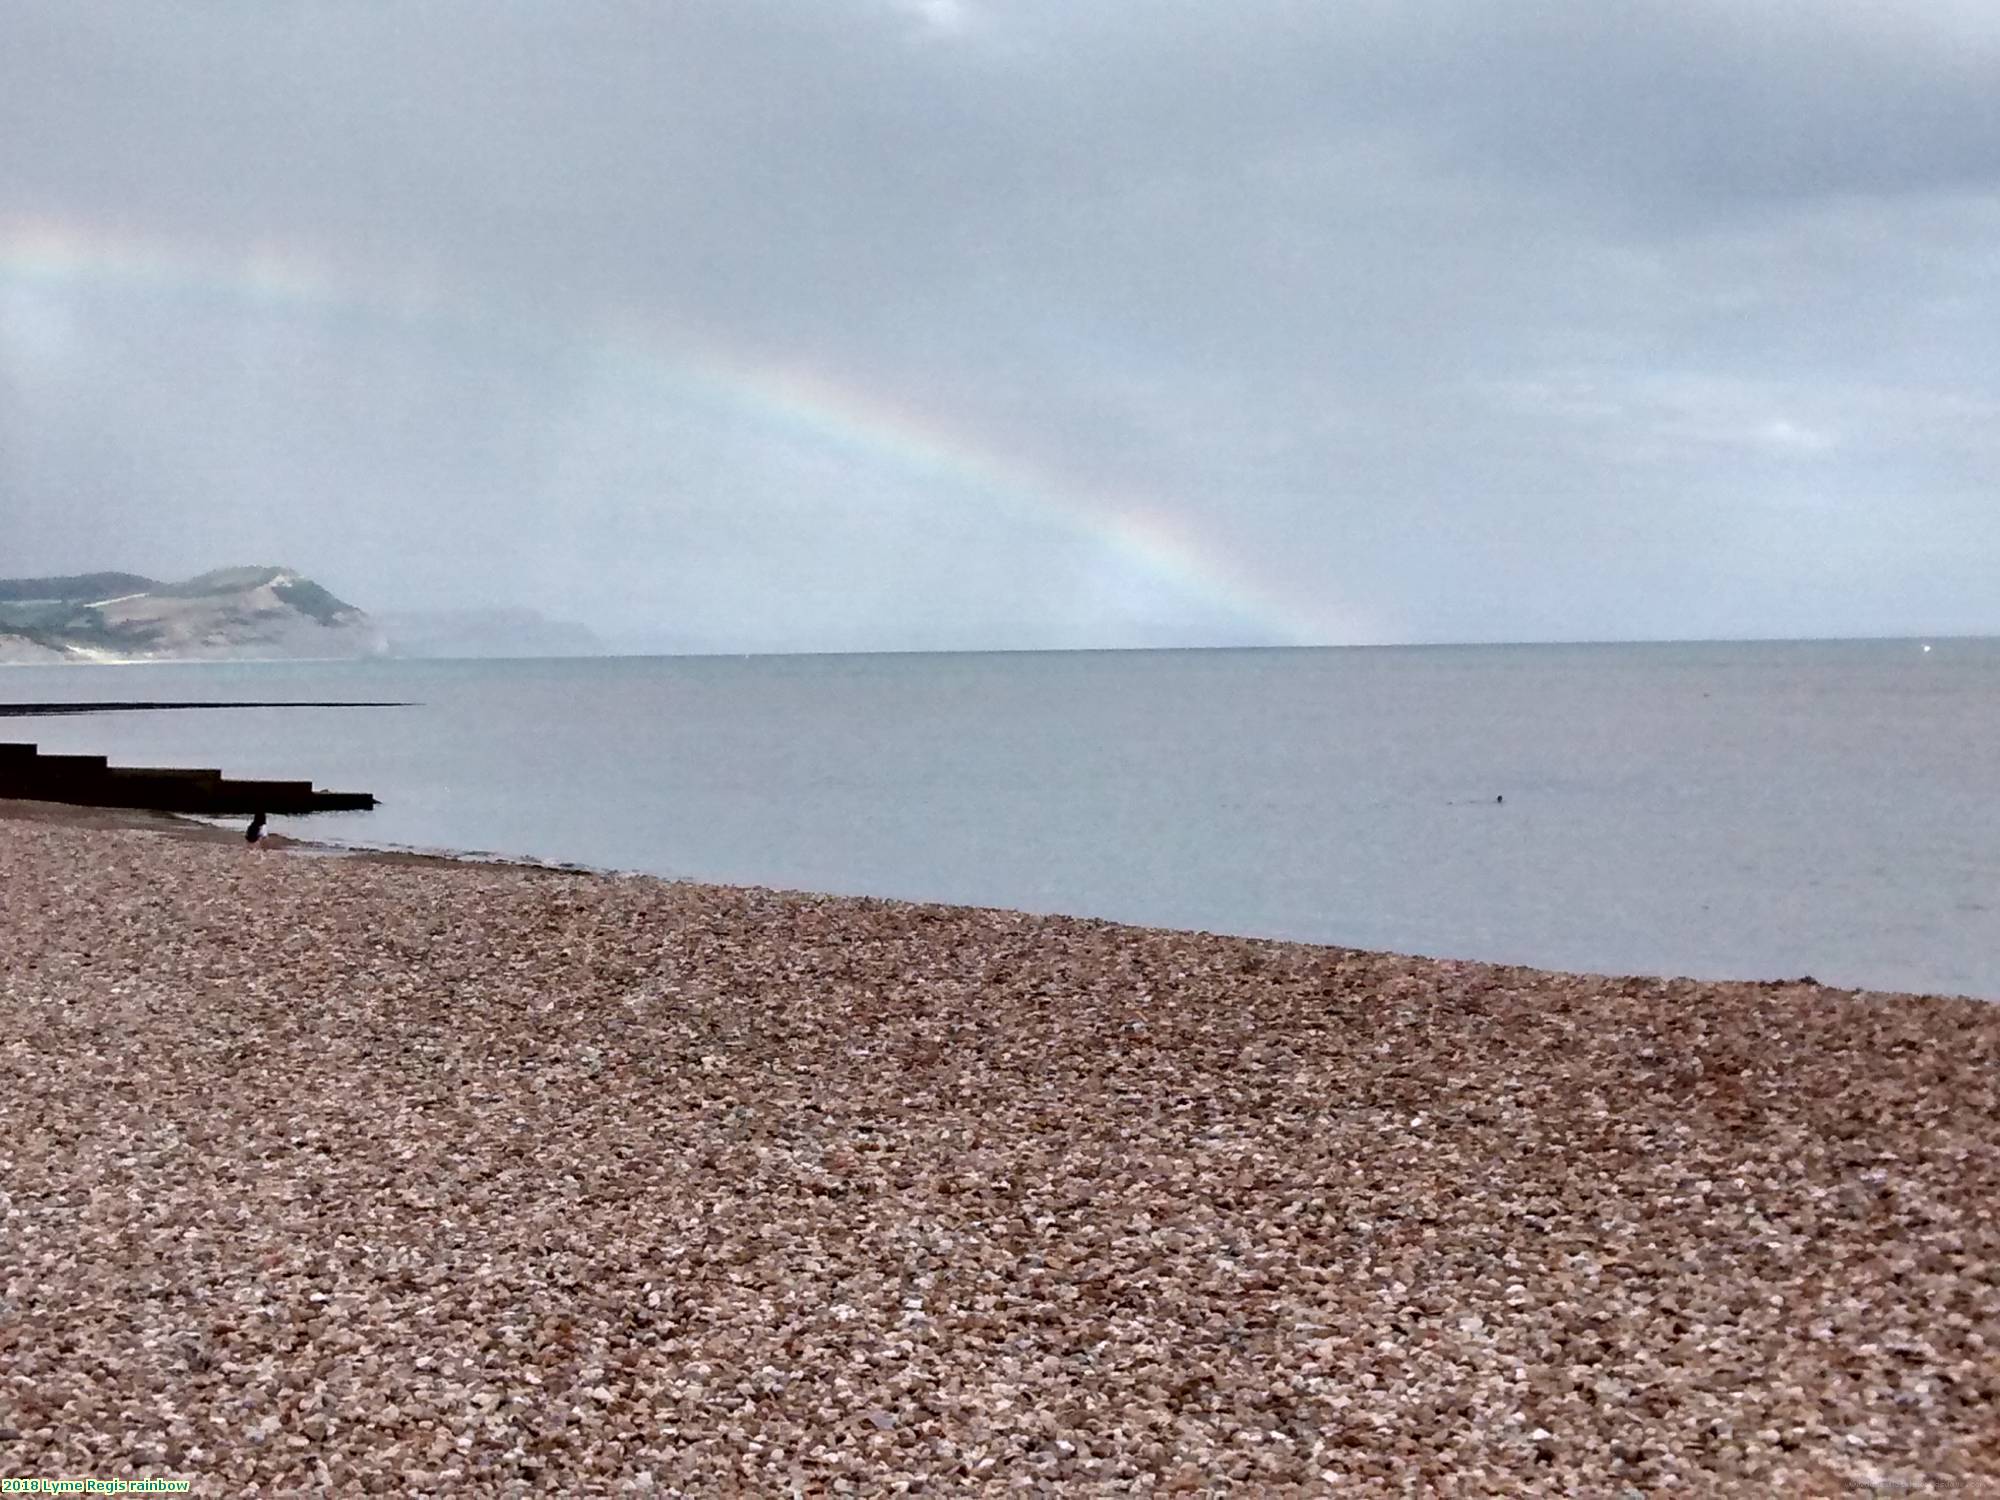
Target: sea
{"type": "Point", "coordinates": [1718, 810]}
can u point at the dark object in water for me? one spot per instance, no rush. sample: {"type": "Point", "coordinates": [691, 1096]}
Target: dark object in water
{"type": "Point", "coordinates": [1499, 799]}
{"type": "Point", "coordinates": [86, 781]}
{"type": "Point", "coordinates": [255, 831]}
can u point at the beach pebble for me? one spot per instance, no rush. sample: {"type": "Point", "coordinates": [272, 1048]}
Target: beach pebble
{"type": "Point", "coordinates": [370, 1176]}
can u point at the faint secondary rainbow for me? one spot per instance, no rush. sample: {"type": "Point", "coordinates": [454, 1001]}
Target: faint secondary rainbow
{"type": "Point", "coordinates": [796, 401]}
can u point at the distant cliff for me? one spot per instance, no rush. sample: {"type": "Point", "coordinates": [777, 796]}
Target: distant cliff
{"type": "Point", "coordinates": [232, 614]}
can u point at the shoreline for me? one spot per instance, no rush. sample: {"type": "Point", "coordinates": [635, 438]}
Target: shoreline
{"type": "Point", "coordinates": [178, 825]}
{"type": "Point", "coordinates": [420, 1174]}
{"type": "Point", "coordinates": [200, 830]}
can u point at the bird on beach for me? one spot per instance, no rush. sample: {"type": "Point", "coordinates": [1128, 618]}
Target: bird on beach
{"type": "Point", "coordinates": [255, 830]}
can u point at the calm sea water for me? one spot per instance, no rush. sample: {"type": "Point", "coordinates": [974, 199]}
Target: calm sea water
{"type": "Point", "coordinates": [1718, 810]}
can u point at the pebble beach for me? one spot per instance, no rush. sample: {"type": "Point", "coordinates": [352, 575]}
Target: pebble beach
{"type": "Point", "coordinates": [386, 1177]}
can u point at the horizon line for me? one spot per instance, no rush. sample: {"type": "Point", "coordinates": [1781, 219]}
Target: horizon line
{"type": "Point", "coordinates": [1420, 645]}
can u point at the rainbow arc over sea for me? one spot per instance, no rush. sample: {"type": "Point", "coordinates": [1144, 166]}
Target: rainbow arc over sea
{"type": "Point", "coordinates": [43, 256]}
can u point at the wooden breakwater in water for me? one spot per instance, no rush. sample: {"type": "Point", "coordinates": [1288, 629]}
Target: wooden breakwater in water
{"type": "Point", "coordinates": [37, 710]}
{"type": "Point", "coordinates": [88, 781]}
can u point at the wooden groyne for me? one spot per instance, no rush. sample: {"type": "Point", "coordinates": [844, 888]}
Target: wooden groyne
{"type": "Point", "coordinates": [88, 781]}
{"type": "Point", "coordinates": [41, 710]}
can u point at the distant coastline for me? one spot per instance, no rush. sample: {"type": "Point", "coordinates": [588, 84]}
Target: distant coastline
{"type": "Point", "coordinates": [252, 614]}
{"type": "Point", "coordinates": [229, 614]}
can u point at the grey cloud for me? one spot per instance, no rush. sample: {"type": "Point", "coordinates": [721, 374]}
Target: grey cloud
{"type": "Point", "coordinates": [1440, 318]}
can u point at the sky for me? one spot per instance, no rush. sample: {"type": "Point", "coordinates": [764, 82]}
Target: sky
{"type": "Point", "coordinates": [942, 324]}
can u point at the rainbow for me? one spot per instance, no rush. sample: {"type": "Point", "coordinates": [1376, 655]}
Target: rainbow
{"type": "Point", "coordinates": [803, 404]}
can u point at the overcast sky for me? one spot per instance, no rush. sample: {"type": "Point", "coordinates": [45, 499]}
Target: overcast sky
{"type": "Point", "coordinates": [830, 324]}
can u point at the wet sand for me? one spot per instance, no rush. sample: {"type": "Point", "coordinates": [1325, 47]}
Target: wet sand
{"type": "Point", "coordinates": [397, 1176]}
